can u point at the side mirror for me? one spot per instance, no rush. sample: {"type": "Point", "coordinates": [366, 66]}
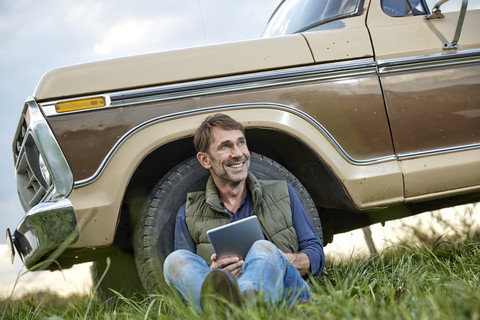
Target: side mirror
{"type": "Point", "coordinates": [437, 14]}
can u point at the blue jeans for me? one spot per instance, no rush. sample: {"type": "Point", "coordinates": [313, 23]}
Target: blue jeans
{"type": "Point", "coordinates": [264, 269]}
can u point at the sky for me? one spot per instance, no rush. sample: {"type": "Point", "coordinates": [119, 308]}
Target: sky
{"type": "Point", "coordinates": [37, 36]}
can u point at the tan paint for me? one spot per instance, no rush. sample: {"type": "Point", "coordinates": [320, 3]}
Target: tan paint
{"type": "Point", "coordinates": [441, 175]}
{"type": "Point", "coordinates": [369, 186]}
{"type": "Point", "coordinates": [395, 37]}
{"type": "Point", "coordinates": [350, 42]}
{"type": "Point", "coordinates": [174, 66]}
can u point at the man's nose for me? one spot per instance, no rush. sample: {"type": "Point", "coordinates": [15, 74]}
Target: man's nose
{"type": "Point", "coordinates": [237, 151]}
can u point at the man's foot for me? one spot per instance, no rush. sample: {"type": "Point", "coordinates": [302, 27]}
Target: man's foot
{"type": "Point", "coordinates": [219, 292]}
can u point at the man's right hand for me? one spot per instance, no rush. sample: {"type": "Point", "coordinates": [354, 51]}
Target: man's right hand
{"type": "Point", "coordinates": [233, 264]}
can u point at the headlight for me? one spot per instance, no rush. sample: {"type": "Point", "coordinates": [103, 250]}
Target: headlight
{"type": "Point", "coordinates": [44, 170]}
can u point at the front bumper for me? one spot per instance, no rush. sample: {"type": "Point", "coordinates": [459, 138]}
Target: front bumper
{"type": "Point", "coordinates": [44, 233]}
{"type": "Point", "coordinates": [44, 180]}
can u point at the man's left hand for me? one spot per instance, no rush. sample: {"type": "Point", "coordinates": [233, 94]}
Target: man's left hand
{"type": "Point", "coordinates": [233, 264]}
{"type": "Point", "coordinates": [299, 261]}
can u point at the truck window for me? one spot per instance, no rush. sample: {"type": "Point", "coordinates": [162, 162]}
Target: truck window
{"type": "Point", "coordinates": [293, 16]}
{"type": "Point", "coordinates": [403, 8]}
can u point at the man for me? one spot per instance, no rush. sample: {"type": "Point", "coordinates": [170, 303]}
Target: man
{"type": "Point", "coordinates": [273, 268]}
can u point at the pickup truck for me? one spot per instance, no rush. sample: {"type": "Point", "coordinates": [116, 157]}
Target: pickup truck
{"type": "Point", "coordinates": [370, 109]}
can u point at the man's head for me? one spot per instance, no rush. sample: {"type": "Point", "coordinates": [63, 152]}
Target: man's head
{"type": "Point", "coordinates": [222, 149]}
{"type": "Point", "coordinates": [202, 138]}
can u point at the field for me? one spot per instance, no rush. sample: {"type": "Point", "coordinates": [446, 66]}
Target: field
{"type": "Point", "coordinates": [401, 283]}
{"type": "Point", "coordinates": [437, 279]}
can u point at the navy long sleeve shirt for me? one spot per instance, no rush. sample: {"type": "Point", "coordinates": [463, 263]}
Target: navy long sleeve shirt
{"type": "Point", "coordinates": [308, 240]}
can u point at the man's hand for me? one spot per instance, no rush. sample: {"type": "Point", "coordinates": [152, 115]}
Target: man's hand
{"type": "Point", "coordinates": [299, 261]}
{"type": "Point", "coordinates": [233, 264]}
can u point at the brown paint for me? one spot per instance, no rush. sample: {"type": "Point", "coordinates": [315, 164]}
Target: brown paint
{"type": "Point", "coordinates": [434, 108]}
{"type": "Point", "coordinates": [351, 109]}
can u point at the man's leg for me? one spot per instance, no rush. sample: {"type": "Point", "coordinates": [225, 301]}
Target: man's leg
{"type": "Point", "coordinates": [185, 272]}
{"type": "Point", "coordinates": [266, 269]}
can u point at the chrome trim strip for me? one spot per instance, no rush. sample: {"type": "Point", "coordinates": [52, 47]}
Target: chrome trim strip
{"type": "Point", "coordinates": [273, 106]}
{"type": "Point", "coordinates": [411, 155]}
{"type": "Point", "coordinates": [428, 61]}
{"type": "Point", "coordinates": [244, 82]}
{"type": "Point", "coordinates": [46, 143]}
{"type": "Point", "coordinates": [230, 84]}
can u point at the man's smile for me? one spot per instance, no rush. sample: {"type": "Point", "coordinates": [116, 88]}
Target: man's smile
{"type": "Point", "coordinates": [236, 164]}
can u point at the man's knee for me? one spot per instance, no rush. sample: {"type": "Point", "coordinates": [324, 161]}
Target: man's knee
{"type": "Point", "coordinates": [174, 263]}
{"type": "Point", "coordinates": [264, 247]}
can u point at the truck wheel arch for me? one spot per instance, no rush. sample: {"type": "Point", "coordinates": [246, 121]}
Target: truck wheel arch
{"type": "Point", "coordinates": [318, 178]}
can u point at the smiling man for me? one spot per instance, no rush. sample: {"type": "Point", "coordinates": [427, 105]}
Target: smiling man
{"type": "Point", "coordinates": [275, 269]}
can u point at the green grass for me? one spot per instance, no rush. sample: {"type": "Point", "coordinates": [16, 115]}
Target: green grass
{"type": "Point", "coordinates": [401, 283]}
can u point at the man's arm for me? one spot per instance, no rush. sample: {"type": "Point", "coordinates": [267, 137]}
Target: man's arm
{"type": "Point", "coordinates": [310, 256]}
{"type": "Point", "coordinates": [182, 239]}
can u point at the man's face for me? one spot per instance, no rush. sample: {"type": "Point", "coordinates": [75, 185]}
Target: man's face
{"type": "Point", "coordinates": [228, 158]}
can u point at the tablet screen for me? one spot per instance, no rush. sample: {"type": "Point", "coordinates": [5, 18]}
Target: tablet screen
{"type": "Point", "coordinates": [236, 238]}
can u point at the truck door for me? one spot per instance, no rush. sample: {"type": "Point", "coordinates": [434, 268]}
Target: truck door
{"type": "Point", "coordinates": [431, 88]}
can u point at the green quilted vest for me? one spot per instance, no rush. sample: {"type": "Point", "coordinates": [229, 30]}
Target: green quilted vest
{"type": "Point", "coordinates": [271, 204]}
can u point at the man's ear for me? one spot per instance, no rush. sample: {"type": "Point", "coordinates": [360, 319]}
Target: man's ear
{"type": "Point", "coordinates": [204, 160]}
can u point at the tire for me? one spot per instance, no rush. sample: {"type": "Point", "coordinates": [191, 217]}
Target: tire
{"type": "Point", "coordinates": [154, 233]}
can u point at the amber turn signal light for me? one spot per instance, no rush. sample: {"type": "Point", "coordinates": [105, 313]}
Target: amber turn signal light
{"type": "Point", "coordinates": [82, 104]}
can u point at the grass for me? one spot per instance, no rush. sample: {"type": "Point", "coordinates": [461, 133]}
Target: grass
{"type": "Point", "coordinates": [403, 282]}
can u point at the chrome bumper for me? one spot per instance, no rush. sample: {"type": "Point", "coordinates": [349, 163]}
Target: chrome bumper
{"type": "Point", "coordinates": [47, 229]}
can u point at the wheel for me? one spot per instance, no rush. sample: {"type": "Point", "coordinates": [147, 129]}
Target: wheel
{"type": "Point", "coordinates": [154, 232]}
{"type": "Point", "coordinates": [121, 276]}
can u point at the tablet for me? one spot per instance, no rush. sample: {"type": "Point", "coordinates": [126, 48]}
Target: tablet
{"type": "Point", "coordinates": [236, 238]}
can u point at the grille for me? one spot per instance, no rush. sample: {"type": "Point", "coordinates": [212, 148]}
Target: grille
{"type": "Point", "coordinates": [32, 186]}
{"type": "Point", "coordinates": [19, 141]}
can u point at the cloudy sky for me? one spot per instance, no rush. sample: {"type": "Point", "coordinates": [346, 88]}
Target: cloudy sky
{"type": "Point", "coordinates": [36, 36]}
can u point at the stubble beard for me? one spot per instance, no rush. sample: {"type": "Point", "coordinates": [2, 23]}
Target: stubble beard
{"type": "Point", "coordinates": [222, 171]}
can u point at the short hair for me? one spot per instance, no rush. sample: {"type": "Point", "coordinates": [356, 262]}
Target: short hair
{"type": "Point", "coordinates": [202, 138]}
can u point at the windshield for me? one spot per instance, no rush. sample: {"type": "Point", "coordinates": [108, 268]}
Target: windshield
{"type": "Point", "coordinates": [294, 16]}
